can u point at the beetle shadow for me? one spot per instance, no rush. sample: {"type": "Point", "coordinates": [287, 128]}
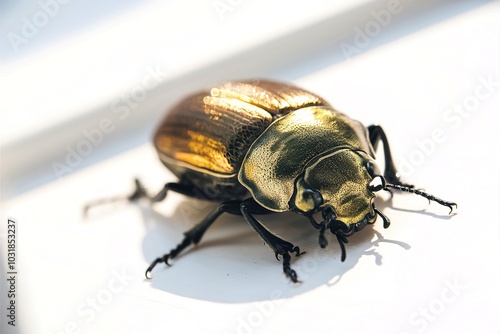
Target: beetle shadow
{"type": "Point", "coordinates": [230, 264]}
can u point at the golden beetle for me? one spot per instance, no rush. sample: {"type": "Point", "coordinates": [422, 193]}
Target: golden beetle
{"type": "Point", "coordinates": [260, 147]}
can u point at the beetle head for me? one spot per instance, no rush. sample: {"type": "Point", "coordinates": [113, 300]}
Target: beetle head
{"type": "Point", "coordinates": [338, 185]}
{"type": "Point", "coordinates": [341, 185]}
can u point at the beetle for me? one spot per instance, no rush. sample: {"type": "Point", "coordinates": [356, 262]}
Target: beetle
{"type": "Point", "coordinates": [260, 147]}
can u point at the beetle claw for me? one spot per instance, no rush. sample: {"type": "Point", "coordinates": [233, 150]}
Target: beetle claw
{"type": "Point", "coordinates": [297, 251]}
{"type": "Point", "coordinates": [153, 264]}
{"type": "Point", "coordinates": [451, 205]}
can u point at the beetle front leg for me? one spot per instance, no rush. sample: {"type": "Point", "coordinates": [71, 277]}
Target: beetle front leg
{"type": "Point", "coordinates": [278, 245]}
{"type": "Point", "coordinates": [391, 174]}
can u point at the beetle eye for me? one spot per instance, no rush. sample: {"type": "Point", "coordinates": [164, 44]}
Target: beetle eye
{"type": "Point", "coordinates": [378, 183]}
{"type": "Point", "coordinates": [313, 198]}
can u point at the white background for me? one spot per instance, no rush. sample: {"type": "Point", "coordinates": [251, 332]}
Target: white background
{"type": "Point", "coordinates": [428, 74]}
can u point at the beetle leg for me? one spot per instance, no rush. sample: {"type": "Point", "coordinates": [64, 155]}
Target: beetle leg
{"type": "Point", "coordinates": [278, 245]}
{"type": "Point", "coordinates": [391, 174]}
{"type": "Point", "coordinates": [141, 192]}
{"type": "Point", "coordinates": [430, 197]}
{"type": "Point", "coordinates": [194, 235]}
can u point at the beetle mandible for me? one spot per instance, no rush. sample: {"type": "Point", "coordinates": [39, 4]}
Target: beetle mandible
{"type": "Point", "coordinates": [260, 147]}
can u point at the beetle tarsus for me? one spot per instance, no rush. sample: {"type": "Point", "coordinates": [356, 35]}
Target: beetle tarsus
{"type": "Point", "coordinates": [139, 192]}
{"type": "Point", "coordinates": [430, 197]}
{"type": "Point", "coordinates": [100, 202]}
{"type": "Point", "coordinates": [154, 263]}
{"type": "Point", "coordinates": [194, 235]}
{"type": "Point", "coordinates": [164, 259]}
{"type": "Point", "coordinates": [287, 269]}
{"type": "Point", "coordinates": [142, 192]}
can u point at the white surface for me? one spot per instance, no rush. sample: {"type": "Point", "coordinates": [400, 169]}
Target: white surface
{"type": "Point", "coordinates": [195, 39]}
{"type": "Point", "coordinates": [430, 273]}
{"type": "Point", "coordinates": [128, 65]}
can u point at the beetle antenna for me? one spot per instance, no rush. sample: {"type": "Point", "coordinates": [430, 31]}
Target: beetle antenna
{"type": "Point", "coordinates": [430, 197]}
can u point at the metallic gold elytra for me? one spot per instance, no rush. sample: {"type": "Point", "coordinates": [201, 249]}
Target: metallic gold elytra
{"type": "Point", "coordinates": [163, 142]}
{"type": "Point", "coordinates": [266, 95]}
{"type": "Point", "coordinates": [206, 136]}
{"type": "Point", "coordinates": [215, 92]}
{"type": "Point", "coordinates": [233, 109]}
{"type": "Point", "coordinates": [205, 152]}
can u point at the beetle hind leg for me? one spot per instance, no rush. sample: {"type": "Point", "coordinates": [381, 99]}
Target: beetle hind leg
{"type": "Point", "coordinates": [194, 235]}
{"type": "Point", "coordinates": [278, 245]}
{"type": "Point", "coordinates": [141, 192]}
{"type": "Point", "coordinates": [377, 134]}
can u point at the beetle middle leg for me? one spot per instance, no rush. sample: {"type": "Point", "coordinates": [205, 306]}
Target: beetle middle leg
{"type": "Point", "coordinates": [391, 174]}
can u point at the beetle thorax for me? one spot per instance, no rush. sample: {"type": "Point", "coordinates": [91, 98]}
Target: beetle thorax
{"type": "Point", "coordinates": [288, 147]}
